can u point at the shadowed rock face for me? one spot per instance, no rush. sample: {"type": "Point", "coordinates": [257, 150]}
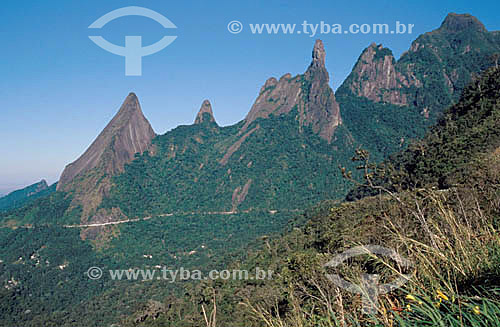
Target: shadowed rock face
{"type": "Point", "coordinates": [375, 77]}
{"type": "Point", "coordinates": [205, 113]}
{"type": "Point", "coordinates": [309, 94]}
{"type": "Point", "coordinates": [447, 57]}
{"type": "Point", "coordinates": [128, 133]}
{"type": "Point", "coordinates": [322, 110]}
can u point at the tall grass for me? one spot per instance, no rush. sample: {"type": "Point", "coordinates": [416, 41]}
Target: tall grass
{"type": "Point", "coordinates": [451, 237]}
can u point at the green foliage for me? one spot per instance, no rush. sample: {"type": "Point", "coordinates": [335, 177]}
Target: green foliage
{"type": "Point", "coordinates": [280, 163]}
{"type": "Point", "coordinates": [381, 54]}
{"type": "Point", "coordinates": [47, 210]}
{"type": "Point", "coordinates": [26, 195]}
{"type": "Point", "coordinates": [450, 235]}
{"type": "Point", "coordinates": [463, 311]}
{"type": "Point", "coordinates": [287, 169]}
{"type": "Point", "coordinates": [41, 293]}
{"type": "Point", "coordinates": [381, 128]}
{"type": "Point", "coordinates": [437, 68]}
{"type": "Point", "coordinates": [458, 56]}
{"type": "Point", "coordinates": [467, 129]}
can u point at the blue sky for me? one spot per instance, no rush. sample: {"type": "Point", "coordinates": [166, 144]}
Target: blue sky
{"type": "Point", "coordinates": [59, 89]}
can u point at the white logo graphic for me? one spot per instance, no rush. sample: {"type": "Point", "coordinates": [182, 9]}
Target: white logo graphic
{"type": "Point", "coordinates": [235, 27]}
{"type": "Point", "coordinates": [133, 51]}
{"type": "Point", "coordinates": [369, 288]}
{"type": "Point", "coordinates": [94, 273]}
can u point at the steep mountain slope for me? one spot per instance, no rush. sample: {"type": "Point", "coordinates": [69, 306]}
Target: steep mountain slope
{"type": "Point", "coordinates": [128, 133]}
{"type": "Point", "coordinates": [284, 155]}
{"type": "Point", "coordinates": [443, 157]}
{"type": "Point", "coordinates": [23, 196]}
{"type": "Point", "coordinates": [191, 196]}
{"type": "Point", "coordinates": [451, 237]}
{"type": "Point", "coordinates": [295, 125]}
{"type": "Point", "coordinates": [205, 113]}
{"type": "Point", "coordinates": [309, 94]}
{"type": "Point", "coordinates": [400, 98]}
{"type": "Point", "coordinates": [88, 178]}
{"type": "Point", "coordinates": [203, 190]}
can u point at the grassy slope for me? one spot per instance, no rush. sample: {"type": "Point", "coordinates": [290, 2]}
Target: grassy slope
{"type": "Point", "coordinates": [450, 236]}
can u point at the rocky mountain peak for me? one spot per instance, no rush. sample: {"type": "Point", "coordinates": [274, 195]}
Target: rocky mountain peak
{"type": "Point", "coordinates": [270, 82]}
{"type": "Point", "coordinates": [452, 54]}
{"type": "Point", "coordinates": [454, 23]}
{"type": "Point", "coordinates": [375, 77]}
{"type": "Point", "coordinates": [309, 94]}
{"type": "Point", "coordinates": [318, 54]}
{"type": "Point", "coordinates": [130, 104]}
{"type": "Point", "coordinates": [126, 134]}
{"type": "Point", "coordinates": [317, 70]}
{"type": "Point", "coordinates": [205, 113]}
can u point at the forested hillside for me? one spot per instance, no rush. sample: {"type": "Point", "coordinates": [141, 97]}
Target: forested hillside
{"type": "Point", "coordinates": [23, 196]}
{"type": "Point", "coordinates": [267, 192]}
{"type": "Point", "coordinates": [450, 236]}
{"type": "Point", "coordinates": [399, 99]}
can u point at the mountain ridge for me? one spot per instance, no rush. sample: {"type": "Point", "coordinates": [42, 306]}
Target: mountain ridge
{"type": "Point", "coordinates": [399, 99]}
{"type": "Point", "coordinates": [126, 134]}
{"type": "Point", "coordinates": [219, 153]}
{"type": "Point", "coordinates": [309, 93]}
{"type": "Point", "coordinates": [460, 36]}
{"type": "Point", "coordinates": [25, 195]}
{"type": "Point", "coordinates": [222, 180]}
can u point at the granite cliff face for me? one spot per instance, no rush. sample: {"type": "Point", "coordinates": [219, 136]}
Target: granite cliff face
{"type": "Point", "coordinates": [88, 178]}
{"type": "Point", "coordinates": [308, 93]}
{"type": "Point", "coordinates": [127, 133]}
{"type": "Point", "coordinates": [432, 73]}
{"type": "Point", "coordinates": [289, 111]}
{"type": "Point", "coordinates": [387, 102]}
{"type": "Point", "coordinates": [375, 77]}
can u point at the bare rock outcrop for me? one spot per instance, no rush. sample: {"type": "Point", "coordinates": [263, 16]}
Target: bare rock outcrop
{"type": "Point", "coordinates": [375, 77]}
{"type": "Point", "coordinates": [440, 61]}
{"type": "Point", "coordinates": [308, 93]}
{"type": "Point", "coordinates": [128, 133]}
{"type": "Point", "coordinates": [205, 113]}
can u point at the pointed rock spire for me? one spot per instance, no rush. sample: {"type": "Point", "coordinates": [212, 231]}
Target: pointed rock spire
{"type": "Point", "coordinates": [318, 53]}
{"type": "Point", "coordinates": [128, 133]}
{"type": "Point", "coordinates": [317, 70]}
{"type": "Point", "coordinates": [205, 113]}
{"type": "Point", "coordinates": [309, 94]}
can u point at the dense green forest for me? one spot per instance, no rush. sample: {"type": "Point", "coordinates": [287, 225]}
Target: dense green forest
{"type": "Point", "coordinates": [450, 235]}
{"type": "Point", "coordinates": [52, 209]}
{"type": "Point", "coordinates": [281, 164]}
{"type": "Point", "coordinates": [436, 69]}
{"type": "Point", "coordinates": [270, 195]}
{"type": "Point", "coordinates": [381, 128]}
{"type": "Point", "coordinates": [19, 198]}
{"type": "Point", "coordinates": [441, 159]}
